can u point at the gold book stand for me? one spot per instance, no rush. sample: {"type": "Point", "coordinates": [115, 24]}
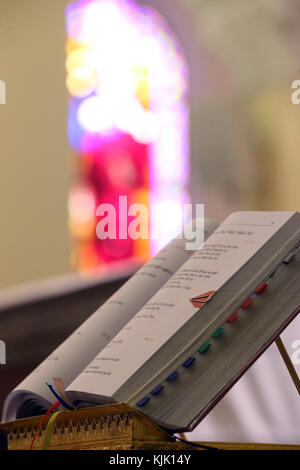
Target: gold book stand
{"type": "Point", "coordinates": [108, 427]}
{"type": "Point", "coordinates": [117, 427]}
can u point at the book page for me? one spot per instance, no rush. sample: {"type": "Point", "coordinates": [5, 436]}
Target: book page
{"type": "Point", "coordinates": [68, 360]}
{"type": "Point", "coordinates": [236, 240]}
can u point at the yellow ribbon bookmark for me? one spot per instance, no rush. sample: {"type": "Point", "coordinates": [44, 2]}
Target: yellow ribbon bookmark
{"type": "Point", "coordinates": [49, 431]}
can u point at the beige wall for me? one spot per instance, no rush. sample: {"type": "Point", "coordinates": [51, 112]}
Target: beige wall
{"type": "Point", "coordinates": [33, 145]}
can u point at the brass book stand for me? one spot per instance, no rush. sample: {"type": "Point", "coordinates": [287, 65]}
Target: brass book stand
{"type": "Point", "coordinates": [118, 427]}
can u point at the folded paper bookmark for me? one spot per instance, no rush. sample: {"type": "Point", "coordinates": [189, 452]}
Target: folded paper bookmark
{"type": "Point", "coordinates": [61, 390]}
{"type": "Point", "coordinates": [200, 300]}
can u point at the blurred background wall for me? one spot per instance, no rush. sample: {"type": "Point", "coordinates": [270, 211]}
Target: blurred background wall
{"type": "Point", "coordinates": [34, 175]}
{"type": "Point", "coordinates": [242, 56]}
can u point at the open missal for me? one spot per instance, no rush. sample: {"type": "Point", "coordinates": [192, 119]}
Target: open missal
{"type": "Point", "coordinates": [176, 336]}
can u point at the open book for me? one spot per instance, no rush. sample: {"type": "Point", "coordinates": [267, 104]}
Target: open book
{"type": "Point", "coordinates": [184, 328]}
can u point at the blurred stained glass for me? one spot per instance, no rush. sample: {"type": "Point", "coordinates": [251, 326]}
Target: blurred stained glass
{"type": "Point", "coordinates": [128, 125]}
